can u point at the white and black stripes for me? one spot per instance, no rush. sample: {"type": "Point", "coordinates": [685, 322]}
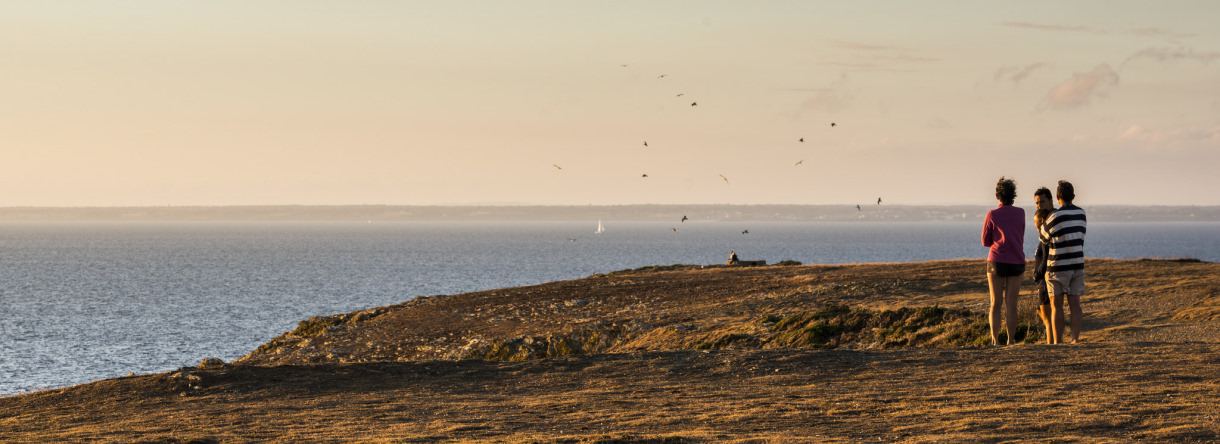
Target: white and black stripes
{"type": "Point", "coordinates": [1064, 230]}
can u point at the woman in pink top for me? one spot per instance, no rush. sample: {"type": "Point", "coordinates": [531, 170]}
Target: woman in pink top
{"type": "Point", "coordinates": [1004, 232]}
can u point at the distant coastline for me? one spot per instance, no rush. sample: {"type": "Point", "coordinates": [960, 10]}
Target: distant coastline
{"type": "Point", "coordinates": [642, 213]}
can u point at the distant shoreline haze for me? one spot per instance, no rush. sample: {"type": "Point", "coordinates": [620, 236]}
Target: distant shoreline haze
{"type": "Point", "coordinates": [543, 213]}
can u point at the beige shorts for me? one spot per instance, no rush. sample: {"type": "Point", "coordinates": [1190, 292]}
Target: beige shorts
{"type": "Point", "coordinates": [1065, 282]}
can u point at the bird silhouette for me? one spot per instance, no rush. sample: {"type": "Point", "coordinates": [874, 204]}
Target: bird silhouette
{"type": "Point", "coordinates": [832, 124]}
{"type": "Point", "coordinates": [800, 162]}
{"type": "Point", "coordinates": [661, 76]}
{"type": "Point", "coordinates": [645, 143]}
{"type": "Point", "coordinates": [694, 104]}
{"type": "Point", "coordinates": [675, 230]}
{"type": "Point", "coordinates": [571, 239]}
{"type": "Point", "coordinates": [745, 231]}
{"type": "Point", "coordinates": [624, 65]}
{"type": "Point", "coordinates": [726, 180]}
{"type": "Point", "coordinates": [557, 167]}
{"type": "Point", "coordinates": [680, 94]}
{"type": "Point", "coordinates": [802, 139]}
{"type": "Point", "coordinates": [683, 218]}
{"type": "Point", "coordinates": [857, 207]}
{"type": "Point", "coordinates": [878, 201]}
{"type": "Point", "coordinates": [644, 175]}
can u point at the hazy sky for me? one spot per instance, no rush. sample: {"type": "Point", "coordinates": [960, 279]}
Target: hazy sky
{"type": "Point", "coordinates": [452, 102]}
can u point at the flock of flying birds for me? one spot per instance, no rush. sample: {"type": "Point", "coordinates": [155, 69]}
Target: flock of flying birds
{"type": "Point", "coordinates": [722, 177]}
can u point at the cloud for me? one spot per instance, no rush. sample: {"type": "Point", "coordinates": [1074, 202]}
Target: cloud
{"type": "Point", "coordinates": [1017, 74]}
{"type": "Point", "coordinates": [869, 57]}
{"type": "Point", "coordinates": [939, 124]}
{"type": "Point", "coordinates": [1171, 138]}
{"type": "Point", "coordinates": [1057, 28]}
{"type": "Point", "coordinates": [1157, 32]}
{"type": "Point", "coordinates": [1142, 32]}
{"type": "Point", "coordinates": [1082, 87]}
{"type": "Point", "coordinates": [828, 100]}
{"type": "Point", "coordinates": [1174, 54]}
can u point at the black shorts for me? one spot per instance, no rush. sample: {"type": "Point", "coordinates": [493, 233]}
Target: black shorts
{"type": "Point", "coordinates": [1005, 270]}
{"type": "Point", "coordinates": [1044, 298]}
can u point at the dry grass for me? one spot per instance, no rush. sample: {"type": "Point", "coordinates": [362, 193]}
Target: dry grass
{"type": "Point", "coordinates": [1145, 373]}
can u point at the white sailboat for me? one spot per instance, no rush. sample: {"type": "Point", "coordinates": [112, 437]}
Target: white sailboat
{"type": "Point", "coordinates": [600, 228]}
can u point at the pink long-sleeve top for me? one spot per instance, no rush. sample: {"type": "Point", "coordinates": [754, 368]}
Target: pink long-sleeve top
{"type": "Point", "coordinates": [1004, 232]}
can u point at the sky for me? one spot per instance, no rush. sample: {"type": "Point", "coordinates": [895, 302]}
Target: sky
{"type": "Point", "coordinates": [153, 103]}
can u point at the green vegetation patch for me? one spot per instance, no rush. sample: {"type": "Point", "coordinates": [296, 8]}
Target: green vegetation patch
{"type": "Point", "coordinates": [835, 325]}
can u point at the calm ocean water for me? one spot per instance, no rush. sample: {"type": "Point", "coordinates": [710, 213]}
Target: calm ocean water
{"type": "Point", "coordinates": [87, 301]}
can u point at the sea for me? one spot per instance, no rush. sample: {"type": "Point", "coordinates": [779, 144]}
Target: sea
{"type": "Point", "coordinates": [85, 301]}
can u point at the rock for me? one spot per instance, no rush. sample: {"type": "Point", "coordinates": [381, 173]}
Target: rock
{"type": "Point", "coordinates": [211, 363]}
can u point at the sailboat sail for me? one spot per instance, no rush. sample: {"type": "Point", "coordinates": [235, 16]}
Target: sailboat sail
{"type": "Point", "coordinates": [600, 228]}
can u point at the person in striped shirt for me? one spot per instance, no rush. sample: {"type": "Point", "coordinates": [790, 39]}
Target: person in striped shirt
{"type": "Point", "coordinates": [1064, 233]}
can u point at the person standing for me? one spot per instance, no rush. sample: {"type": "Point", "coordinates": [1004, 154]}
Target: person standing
{"type": "Point", "coordinates": [1064, 232]}
{"type": "Point", "coordinates": [1004, 233]}
{"type": "Point", "coordinates": [1045, 204]}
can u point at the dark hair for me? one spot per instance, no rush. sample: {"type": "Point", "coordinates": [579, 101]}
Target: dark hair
{"type": "Point", "coordinates": [1066, 192]}
{"type": "Point", "coordinates": [1041, 215]}
{"type": "Point", "coordinates": [1044, 191]}
{"type": "Point", "coordinates": [1006, 191]}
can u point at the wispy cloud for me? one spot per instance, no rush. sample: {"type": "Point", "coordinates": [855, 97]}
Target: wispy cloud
{"type": "Point", "coordinates": [1170, 137]}
{"type": "Point", "coordinates": [865, 46]}
{"type": "Point", "coordinates": [828, 100]}
{"type": "Point", "coordinates": [1174, 54]}
{"type": "Point", "coordinates": [1058, 28]}
{"type": "Point", "coordinates": [1082, 87]}
{"type": "Point", "coordinates": [1157, 32]}
{"type": "Point", "coordinates": [939, 124]}
{"type": "Point", "coordinates": [1017, 74]}
{"type": "Point", "coordinates": [872, 57]}
{"type": "Point", "coordinates": [1142, 32]}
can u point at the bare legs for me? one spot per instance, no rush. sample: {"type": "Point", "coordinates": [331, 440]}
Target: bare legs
{"type": "Point", "coordinates": [1004, 292]}
{"type": "Point", "coordinates": [1057, 308]}
{"type": "Point", "coordinates": [1077, 317]}
{"type": "Point", "coordinates": [1044, 312]}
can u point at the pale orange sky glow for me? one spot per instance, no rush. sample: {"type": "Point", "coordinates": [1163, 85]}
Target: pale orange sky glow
{"type": "Point", "coordinates": [424, 103]}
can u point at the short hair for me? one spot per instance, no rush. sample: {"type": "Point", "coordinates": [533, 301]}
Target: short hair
{"type": "Point", "coordinates": [1044, 192]}
{"type": "Point", "coordinates": [1066, 191]}
{"type": "Point", "coordinates": [1006, 191]}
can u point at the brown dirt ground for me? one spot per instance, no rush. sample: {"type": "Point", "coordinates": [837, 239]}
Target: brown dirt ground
{"type": "Point", "coordinates": [1148, 368]}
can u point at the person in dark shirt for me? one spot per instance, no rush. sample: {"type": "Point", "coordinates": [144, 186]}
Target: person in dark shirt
{"type": "Point", "coordinates": [1042, 199]}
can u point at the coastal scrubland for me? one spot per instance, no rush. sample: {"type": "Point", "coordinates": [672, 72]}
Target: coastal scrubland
{"type": "Point", "coordinates": [686, 353]}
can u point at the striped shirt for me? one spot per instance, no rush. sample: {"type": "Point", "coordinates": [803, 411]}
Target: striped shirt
{"type": "Point", "coordinates": [1064, 232]}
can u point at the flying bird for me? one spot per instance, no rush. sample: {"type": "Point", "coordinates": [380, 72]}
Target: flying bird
{"type": "Point", "coordinates": [675, 230]}
{"type": "Point", "coordinates": [857, 207]}
{"type": "Point", "coordinates": [832, 124]}
{"type": "Point", "coordinates": [557, 167]}
{"type": "Point", "coordinates": [624, 65]}
{"type": "Point", "coordinates": [571, 239]}
{"type": "Point", "coordinates": [745, 231]}
{"type": "Point", "coordinates": [661, 76]}
{"type": "Point", "coordinates": [802, 139]}
{"type": "Point", "coordinates": [645, 143]}
{"type": "Point", "coordinates": [644, 175]}
{"type": "Point", "coordinates": [878, 201]}
{"type": "Point", "coordinates": [683, 218]}
{"type": "Point", "coordinates": [726, 180]}
{"type": "Point", "coordinates": [680, 94]}
{"type": "Point", "coordinates": [694, 104]}
{"type": "Point", "coordinates": [800, 162]}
